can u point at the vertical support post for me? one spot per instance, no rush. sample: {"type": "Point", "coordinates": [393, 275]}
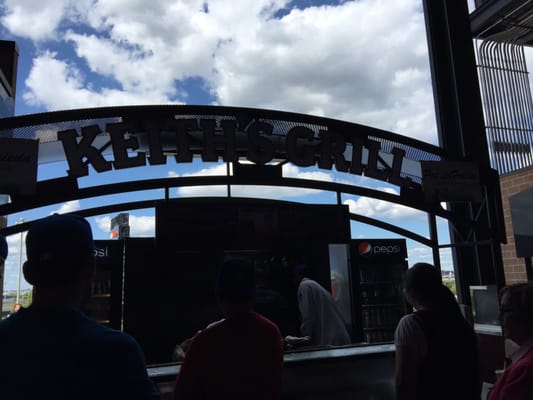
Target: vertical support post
{"type": "Point", "coordinates": [3, 224]}
{"type": "Point", "coordinates": [529, 269]}
{"type": "Point", "coordinates": [20, 221]}
{"type": "Point", "coordinates": [433, 235]}
{"type": "Point", "coordinates": [228, 173]}
{"type": "Point", "coordinates": [462, 135]}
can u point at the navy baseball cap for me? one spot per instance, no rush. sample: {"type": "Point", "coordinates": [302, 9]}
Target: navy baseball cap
{"type": "Point", "coordinates": [3, 248]}
{"type": "Point", "coordinates": [54, 247]}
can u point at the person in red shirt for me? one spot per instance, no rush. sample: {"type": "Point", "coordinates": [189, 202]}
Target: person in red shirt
{"type": "Point", "coordinates": [239, 357]}
{"type": "Point", "coordinates": [516, 316]}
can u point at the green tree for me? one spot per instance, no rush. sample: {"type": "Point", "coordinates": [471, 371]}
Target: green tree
{"type": "Point", "coordinates": [450, 283]}
{"type": "Point", "coordinates": [26, 297]}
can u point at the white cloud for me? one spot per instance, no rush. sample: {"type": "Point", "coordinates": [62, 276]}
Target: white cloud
{"type": "Point", "coordinates": [381, 209]}
{"type": "Point", "coordinates": [363, 61]}
{"type": "Point", "coordinates": [331, 61]}
{"type": "Point", "coordinates": [202, 191]}
{"type": "Point", "coordinates": [140, 225]}
{"type": "Point", "coordinates": [103, 223]}
{"type": "Point", "coordinates": [267, 192]}
{"type": "Point", "coordinates": [36, 20]}
{"type": "Point", "coordinates": [14, 244]}
{"type": "Point", "coordinates": [57, 84]}
{"type": "Point", "coordinates": [68, 207]}
{"type": "Point", "coordinates": [420, 254]}
{"type": "Point", "coordinates": [446, 260]}
{"type": "Point", "coordinates": [425, 254]}
{"type": "Point", "coordinates": [216, 170]}
{"type": "Point", "coordinates": [292, 171]}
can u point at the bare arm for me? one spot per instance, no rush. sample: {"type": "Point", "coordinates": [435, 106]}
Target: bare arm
{"type": "Point", "coordinates": [408, 362]}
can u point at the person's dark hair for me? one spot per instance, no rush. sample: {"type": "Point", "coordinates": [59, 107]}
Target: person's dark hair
{"type": "Point", "coordinates": [57, 247]}
{"type": "Point", "coordinates": [236, 281]}
{"type": "Point", "coordinates": [520, 303]}
{"type": "Point", "coordinates": [424, 283]}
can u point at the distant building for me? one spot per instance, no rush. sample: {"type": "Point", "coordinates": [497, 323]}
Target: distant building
{"type": "Point", "coordinates": [9, 54]}
{"type": "Point", "coordinates": [447, 274]}
{"type": "Point", "coordinates": [120, 226]}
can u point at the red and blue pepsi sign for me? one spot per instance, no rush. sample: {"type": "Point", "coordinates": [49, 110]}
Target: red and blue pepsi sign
{"type": "Point", "coordinates": [379, 249]}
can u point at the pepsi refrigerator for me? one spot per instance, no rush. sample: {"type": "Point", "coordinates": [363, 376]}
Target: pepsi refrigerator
{"type": "Point", "coordinates": [105, 302]}
{"type": "Point", "coordinates": [377, 267]}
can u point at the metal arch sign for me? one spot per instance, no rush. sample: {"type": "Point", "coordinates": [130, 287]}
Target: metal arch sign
{"type": "Point", "coordinates": [137, 142]}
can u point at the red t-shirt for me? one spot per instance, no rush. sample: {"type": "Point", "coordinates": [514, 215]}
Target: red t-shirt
{"type": "Point", "coordinates": [234, 359]}
{"type": "Point", "coordinates": [516, 382]}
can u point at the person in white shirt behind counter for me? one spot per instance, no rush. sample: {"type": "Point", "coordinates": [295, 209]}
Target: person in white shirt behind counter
{"type": "Point", "coordinates": [321, 321]}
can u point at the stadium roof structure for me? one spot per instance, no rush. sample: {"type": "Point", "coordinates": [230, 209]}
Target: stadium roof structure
{"type": "Point", "coordinates": [503, 21]}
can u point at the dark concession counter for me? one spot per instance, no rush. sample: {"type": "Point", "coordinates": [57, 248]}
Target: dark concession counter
{"type": "Point", "coordinates": [357, 371]}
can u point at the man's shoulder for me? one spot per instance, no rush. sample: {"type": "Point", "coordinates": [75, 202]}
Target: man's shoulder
{"type": "Point", "coordinates": [14, 321]}
{"type": "Point", "coordinates": [214, 329]}
{"type": "Point", "coordinates": [100, 333]}
{"type": "Point", "coordinates": [409, 326]}
{"type": "Point", "coordinates": [6, 325]}
{"type": "Point", "coordinates": [527, 359]}
{"type": "Point", "coordinates": [408, 318]}
{"type": "Point", "coordinates": [226, 328]}
{"type": "Point", "coordinates": [267, 326]}
{"type": "Point", "coordinates": [522, 369]}
{"type": "Point", "coordinates": [408, 323]}
{"type": "Point", "coordinates": [308, 283]}
{"type": "Point", "coordinates": [262, 320]}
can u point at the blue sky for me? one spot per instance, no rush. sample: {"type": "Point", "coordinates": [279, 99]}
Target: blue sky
{"type": "Point", "coordinates": [362, 61]}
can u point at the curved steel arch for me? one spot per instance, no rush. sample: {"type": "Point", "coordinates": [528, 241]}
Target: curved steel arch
{"type": "Point", "coordinates": [136, 205]}
{"type": "Point", "coordinates": [51, 196]}
{"type": "Point", "coordinates": [48, 193]}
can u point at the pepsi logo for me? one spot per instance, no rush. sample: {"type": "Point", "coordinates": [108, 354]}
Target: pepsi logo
{"type": "Point", "coordinates": [365, 249]}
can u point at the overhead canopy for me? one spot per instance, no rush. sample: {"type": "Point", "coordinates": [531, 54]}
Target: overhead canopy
{"type": "Point", "coordinates": [503, 21]}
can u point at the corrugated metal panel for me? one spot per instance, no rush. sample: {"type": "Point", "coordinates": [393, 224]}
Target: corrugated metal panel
{"type": "Point", "coordinates": [508, 106]}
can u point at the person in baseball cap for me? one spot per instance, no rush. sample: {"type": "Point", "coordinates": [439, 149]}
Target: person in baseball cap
{"type": "Point", "coordinates": [62, 352]}
{"type": "Point", "coordinates": [59, 251]}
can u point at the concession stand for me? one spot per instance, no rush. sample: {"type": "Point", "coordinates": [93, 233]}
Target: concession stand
{"type": "Point", "coordinates": [159, 289]}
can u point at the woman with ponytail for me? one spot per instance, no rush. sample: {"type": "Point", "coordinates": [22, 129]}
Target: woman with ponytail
{"type": "Point", "coordinates": [436, 348]}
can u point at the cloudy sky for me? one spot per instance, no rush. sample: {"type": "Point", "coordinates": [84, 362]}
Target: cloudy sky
{"type": "Point", "coordinates": [362, 61]}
